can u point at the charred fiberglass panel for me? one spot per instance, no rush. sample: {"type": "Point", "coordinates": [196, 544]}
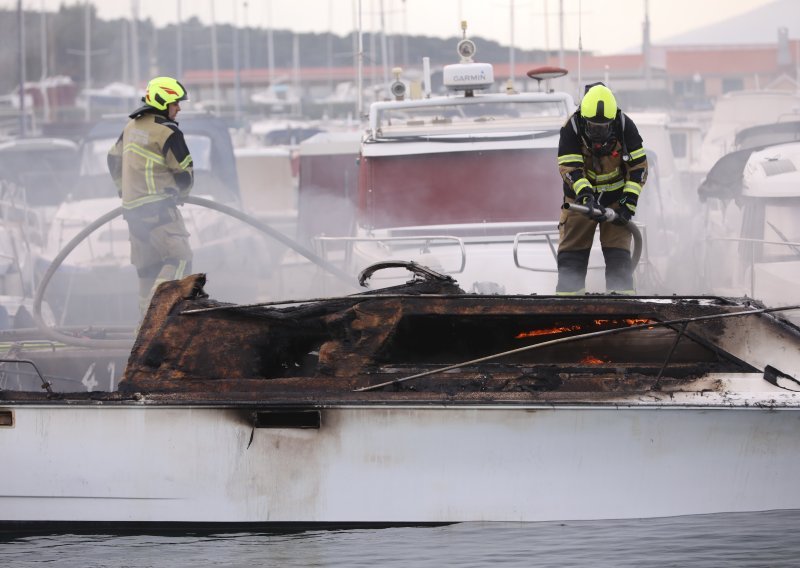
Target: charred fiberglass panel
{"type": "Point", "coordinates": [347, 342]}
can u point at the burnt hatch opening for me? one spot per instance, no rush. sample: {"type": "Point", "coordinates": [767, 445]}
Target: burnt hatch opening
{"type": "Point", "coordinates": [447, 339]}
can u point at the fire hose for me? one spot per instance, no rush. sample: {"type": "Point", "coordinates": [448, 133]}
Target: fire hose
{"type": "Point", "coordinates": [56, 335]}
{"type": "Point", "coordinates": [601, 214]}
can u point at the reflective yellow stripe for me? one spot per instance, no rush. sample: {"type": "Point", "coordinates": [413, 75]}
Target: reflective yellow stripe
{"type": "Point", "coordinates": [143, 200]}
{"type": "Point", "coordinates": [148, 177]}
{"type": "Point", "coordinates": [602, 177]}
{"type": "Point", "coordinates": [636, 154]}
{"type": "Point", "coordinates": [185, 163]}
{"type": "Point", "coordinates": [180, 270]}
{"type": "Point", "coordinates": [567, 158]}
{"type": "Point", "coordinates": [580, 184]}
{"type": "Point", "coordinates": [611, 186]}
{"type": "Point", "coordinates": [145, 153]}
{"type": "Point", "coordinates": [633, 187]}
{"type": "Point", "coordinates": [606, 177]}
{"type": "Point", "coordinates": [150, 159]}
{"type": "Point", "coordinates": [581, 292]}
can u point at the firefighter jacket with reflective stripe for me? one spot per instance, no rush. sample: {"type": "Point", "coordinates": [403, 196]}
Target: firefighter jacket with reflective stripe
{"type": "Point", "coordinates": [150, 161]}
{"type": "Point", "coordinates": [617, 171]}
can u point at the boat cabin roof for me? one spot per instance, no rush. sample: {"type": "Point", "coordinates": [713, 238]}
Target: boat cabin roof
{"type": "Point", "coordinates": [482, 115]}
{"type": "Point", "coordinates": [773, 171]}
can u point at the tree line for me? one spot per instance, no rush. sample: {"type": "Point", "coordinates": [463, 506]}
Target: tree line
{"type": "Point", "coordinates": [162, 50]}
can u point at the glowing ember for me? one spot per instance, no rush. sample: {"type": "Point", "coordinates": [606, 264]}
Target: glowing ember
{"type": "Point", "coordinates": [591, 360]}
{"type": "Point", "coordinates": [548, 331]}
{"type": "Point", "coordinates": [627, 321]}
{"type": "Point", "coordinates": [602, 323]}
{"type": "Point", "coordinates": [638, 321]}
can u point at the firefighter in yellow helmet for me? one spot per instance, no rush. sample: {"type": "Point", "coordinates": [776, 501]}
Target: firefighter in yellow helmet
{"type": "Point", "coordinates": [602, 161]}
{"type": "Point", "coordinates": [153, 171]}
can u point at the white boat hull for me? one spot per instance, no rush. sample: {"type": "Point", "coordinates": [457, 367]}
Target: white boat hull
{"type": "Point", "coordinates": [395, 464]}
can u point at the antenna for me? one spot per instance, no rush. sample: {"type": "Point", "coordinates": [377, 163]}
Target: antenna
{"type": "Point", "coordinates": [360, 66]}
{"type": "Point", "coordinates": [580, 47]}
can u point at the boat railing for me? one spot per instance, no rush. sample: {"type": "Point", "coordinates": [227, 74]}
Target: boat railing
{"type": "Point", "coordinates": [551, 238]}
{"type": "Point", "coordinates": [547, 236]}
{"type": "Point", "coordinates": [426, 243]}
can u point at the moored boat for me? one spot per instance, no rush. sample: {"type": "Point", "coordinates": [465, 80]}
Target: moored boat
{"type": "Point", "coordinates": [467, 183]}
{"type": "Point", "coordinates": [419, 404]}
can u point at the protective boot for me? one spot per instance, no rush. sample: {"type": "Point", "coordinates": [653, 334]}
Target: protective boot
{"type": "Point", "coordinates": [572, 266]}
{"type": "Point", "coordinates": [619, 271]}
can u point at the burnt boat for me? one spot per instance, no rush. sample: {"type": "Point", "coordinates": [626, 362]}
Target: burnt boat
{"type": "Point", "coordinates": [417, 404]}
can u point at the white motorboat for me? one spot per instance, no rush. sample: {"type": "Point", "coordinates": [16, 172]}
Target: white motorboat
{"type": "Point", "coordinates": [466, 183]}
{"type": "Point", "coordinates": [421, 403]}
{"type": "Point", "coordinates": [418, 405]}
{"type": "Point", "coordinates": [738, 110]}
{"type": "Point", "coordinates": [754, 200]}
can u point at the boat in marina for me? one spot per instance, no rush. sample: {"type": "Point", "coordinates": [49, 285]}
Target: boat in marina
{"type": "Point", "coordinates": [466, 183]}
{"type": "Point", "coordinates": [446, 392]}
{"type": "Point", "coordinates": [420, 403]}
{"type": "Point", "coordinates": [753, 200]}
{"type": "Point", "coordinates": [416, 404]}
{"type": "Point", "coordinates": [738, 110]}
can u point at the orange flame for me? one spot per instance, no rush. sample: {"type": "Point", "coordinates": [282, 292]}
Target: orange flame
{"type": "Point", "coordinates": [578, 327]}
{"type": "Point", "coordinates": [548, 331]}
{"type": "Point", "coordinates": [627, 321]}
{"type": "Point", "coordinates": [592, 360]}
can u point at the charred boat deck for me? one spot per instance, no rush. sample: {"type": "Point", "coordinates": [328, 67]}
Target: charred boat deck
{"type": "Point", "coordinates": [428, 343]}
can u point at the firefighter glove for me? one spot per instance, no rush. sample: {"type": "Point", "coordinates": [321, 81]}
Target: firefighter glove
{"type": "Point", "coordinates": [174, 195]}
{"type": "Point", "coordinates": [627, 208]}
{"type": "Point", "coordinates": [584, 193]}
{"type": "Point", "coordinates": [623, 216]}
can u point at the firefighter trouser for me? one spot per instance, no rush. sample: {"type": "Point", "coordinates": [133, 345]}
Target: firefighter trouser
{"type": "Point", "coordinates": [159, 248]}
{"type": "Point", "coordinates": [576, 234]}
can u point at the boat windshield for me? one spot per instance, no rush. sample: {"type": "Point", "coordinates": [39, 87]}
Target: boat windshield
{"type": "Point", "coordinates": [478, 119]}
{"type": "Point", "coordinates": [780, 226]}
{"type": "Point", "coordinates": [46, 174]}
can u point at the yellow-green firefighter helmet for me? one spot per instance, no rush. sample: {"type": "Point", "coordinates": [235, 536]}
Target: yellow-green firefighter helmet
{"type": "Point", "coordinates": [599, 104]}
{"type": "Point", "coordinates": [598, 110]}
{"type": "Point", "coordinates": [162, 91]}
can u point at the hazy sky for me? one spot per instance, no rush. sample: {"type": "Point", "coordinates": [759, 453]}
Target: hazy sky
{"type": "Point", "coordinates": [607, 26]}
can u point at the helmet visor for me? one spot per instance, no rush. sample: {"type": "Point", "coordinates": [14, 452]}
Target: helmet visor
{"type": "Point", "coordinates": [598, 131]}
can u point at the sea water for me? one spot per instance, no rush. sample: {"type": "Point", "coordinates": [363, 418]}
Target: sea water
{"type": "Point", "coordinates": [768, 539]}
